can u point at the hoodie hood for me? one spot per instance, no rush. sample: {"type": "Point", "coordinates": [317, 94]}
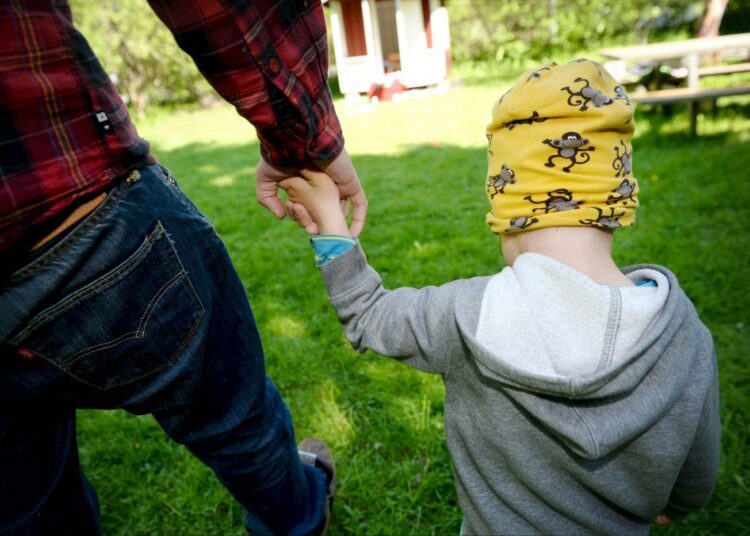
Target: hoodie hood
{"type": "Point", "coordinates": [575, 352]}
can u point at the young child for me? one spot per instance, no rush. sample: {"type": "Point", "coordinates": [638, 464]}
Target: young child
{"type": "Point", "coordinates": [579, 398]}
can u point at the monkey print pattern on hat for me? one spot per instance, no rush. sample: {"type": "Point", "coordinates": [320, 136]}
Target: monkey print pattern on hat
{"type": "Point", "coordinates": [621, 94]}
{"type": "Point", "coordinates": [537, 73]}
{"type": "Point", "coordinates": [522, 222]}
{"type": "Point", "coordinates": [529, 120]}
{"type": "Point", "coordinates": [624, 192]}
{"type": "Point", "coordinates": [569, 146]}
{"type": "Point", "coordinates": [611, 221]}
{"type": "Point", "coordinates": [586, 94]}
{"type": "Point", "coordinates": [621, 163]}
{"type": "Point", "coordinates": [497, 183]}
{"type": "Point", "coordinates": [557, 201]}
{"type": "Point", "coordinates": [559, 151]}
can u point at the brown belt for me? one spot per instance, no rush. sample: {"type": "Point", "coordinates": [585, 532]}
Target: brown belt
{"type": "Point", "coordinates": [80, 212]}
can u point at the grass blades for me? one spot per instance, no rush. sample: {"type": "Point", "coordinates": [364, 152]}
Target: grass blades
{"type": "Point", "coordinates": [423, 164]}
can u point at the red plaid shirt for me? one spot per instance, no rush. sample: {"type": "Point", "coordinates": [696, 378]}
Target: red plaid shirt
{"type": "Point", "coordinates": [65, 134]}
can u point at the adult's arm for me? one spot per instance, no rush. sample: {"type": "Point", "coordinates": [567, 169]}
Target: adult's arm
{"type": "Point", "coordinates": [269, 59]}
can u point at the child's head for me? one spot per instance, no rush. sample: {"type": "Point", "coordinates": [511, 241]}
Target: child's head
{"type": "Point", "coordinates": [559, 152]}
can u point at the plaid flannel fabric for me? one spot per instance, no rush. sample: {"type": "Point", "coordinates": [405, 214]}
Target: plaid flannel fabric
{"type": "Point", "coordinates": [65, 134]}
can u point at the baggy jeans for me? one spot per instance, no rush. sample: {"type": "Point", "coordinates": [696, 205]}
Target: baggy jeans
{"type": "Point", "coordinates": [139, 307]}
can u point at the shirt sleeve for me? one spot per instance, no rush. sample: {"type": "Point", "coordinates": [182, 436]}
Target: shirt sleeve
{"type": "Point", "coordinates": [270, 60]}
{"type": "Point", "coordinates": [328, 247]}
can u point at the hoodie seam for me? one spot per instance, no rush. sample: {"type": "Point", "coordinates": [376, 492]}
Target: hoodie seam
{"type": "Point", "coordinates": [590, 432]}
{"type": "Point", "coordinates": [610, 333]}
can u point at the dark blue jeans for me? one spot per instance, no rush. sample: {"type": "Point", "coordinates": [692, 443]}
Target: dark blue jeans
{"type": "Point", "coordinates": [139, 307]}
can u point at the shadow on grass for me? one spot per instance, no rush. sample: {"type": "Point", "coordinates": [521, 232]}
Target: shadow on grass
{"type": "Point", "coordinates": [426, 226]}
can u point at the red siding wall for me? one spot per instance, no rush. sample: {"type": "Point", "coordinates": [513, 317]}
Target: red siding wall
{"type": "Point", "coordinates": [354, 27]}
{"type": "Point", "coordinates": [426, 18]}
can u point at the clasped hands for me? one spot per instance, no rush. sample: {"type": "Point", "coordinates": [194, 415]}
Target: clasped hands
{"type": "Point", "coordinates": [318, 199]}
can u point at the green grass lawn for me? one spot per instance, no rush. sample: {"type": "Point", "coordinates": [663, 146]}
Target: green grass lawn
{"type": "Point", "coordinates": [423, 165]}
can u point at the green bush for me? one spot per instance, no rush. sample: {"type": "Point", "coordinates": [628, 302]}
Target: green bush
{"type": "Point", "coordinates": [139, 53]}
{"type": "Point", "coordinates": [148, 67]}
{"type": "Point", "coordinates": [521, 32]}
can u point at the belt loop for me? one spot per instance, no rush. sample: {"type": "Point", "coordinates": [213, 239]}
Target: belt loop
{"type": "Point", "coordinates": [134, 176]}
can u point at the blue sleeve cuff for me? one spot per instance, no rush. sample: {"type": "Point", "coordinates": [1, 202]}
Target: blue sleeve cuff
{"type": "Point", "coordinates": [328, 247]}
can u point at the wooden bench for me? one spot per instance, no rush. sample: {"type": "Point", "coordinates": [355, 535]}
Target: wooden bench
{"type": "Point", "coordinates": [691, 95]}
{"type": "Point", "coordinates": [730, 68]}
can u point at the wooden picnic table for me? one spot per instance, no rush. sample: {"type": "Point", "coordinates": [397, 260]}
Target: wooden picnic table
{"type": "Point", "coordinates": [689, 51]}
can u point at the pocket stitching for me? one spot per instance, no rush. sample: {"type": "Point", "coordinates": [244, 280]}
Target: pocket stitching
{"type": "Point", "coordinates": [123, 269]}
{"type": "Point", "coordinates": [138, 333]}
{"type": "Point", "coordinates": [164, 365]}
{"type": "Point", "coordinates": [201, 311]}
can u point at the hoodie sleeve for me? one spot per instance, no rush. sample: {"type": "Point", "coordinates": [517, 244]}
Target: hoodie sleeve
{"type": "Point", "coordinates": [416, 326]}
{"type": "Point", "coordinates": [695, 483]}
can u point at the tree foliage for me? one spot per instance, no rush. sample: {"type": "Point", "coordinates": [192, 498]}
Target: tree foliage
{"type": "Point", "coordinates": [142, 57]}
{"type": "Point", "coordinates": [535, 30]}
{"type": "Point", "coordinates": [139, 52]}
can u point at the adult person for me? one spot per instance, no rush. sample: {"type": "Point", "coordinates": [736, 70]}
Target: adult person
{"type": "Point", "coordinates": [116, 292]}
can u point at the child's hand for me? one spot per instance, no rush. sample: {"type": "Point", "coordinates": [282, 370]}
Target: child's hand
{"type": "Point", "coordinates": [314, 202]}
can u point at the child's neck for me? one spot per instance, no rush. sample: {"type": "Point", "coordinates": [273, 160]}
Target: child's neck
{"type": "Point", "coordinates": [584, 249]}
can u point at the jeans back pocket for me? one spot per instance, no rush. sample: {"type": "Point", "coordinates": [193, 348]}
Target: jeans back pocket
{"type": "Point", "coordinates": [130, 322]}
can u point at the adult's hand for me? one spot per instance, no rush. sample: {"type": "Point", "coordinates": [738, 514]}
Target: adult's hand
{"type": "Point", "coordinates": [341, 171]}
{"type": "Point", "coordinates": [267, 178]}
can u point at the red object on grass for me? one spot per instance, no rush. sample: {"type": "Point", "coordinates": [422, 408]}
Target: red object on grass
{"type": "Point", "coordinates": [386, 91]}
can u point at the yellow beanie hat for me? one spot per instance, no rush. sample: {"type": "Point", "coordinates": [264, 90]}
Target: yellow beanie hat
{"type": "Point", "coordinates": [559, 151]}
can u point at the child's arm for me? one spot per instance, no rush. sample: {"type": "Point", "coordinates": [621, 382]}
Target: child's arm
{"type": "Point", "coordinates": [695, 483]}
{"type": "Point", "coordinates": [419, 326]}
{"type": "Point", "coordinates": [423, 327]}
{"type": "Point", "coordinates": [313, 205]}
{"type": "Point", "coordinates": [316, 194]}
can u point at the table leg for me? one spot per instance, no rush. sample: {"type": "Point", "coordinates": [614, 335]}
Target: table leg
{"type": "Point", "coordinates": [694, 106]}
{"type": "Point", "coordinates": [692, 65]}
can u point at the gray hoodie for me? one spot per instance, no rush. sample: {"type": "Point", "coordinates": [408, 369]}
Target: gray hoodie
{"type": "Point", "coordinates": [570, 407]}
